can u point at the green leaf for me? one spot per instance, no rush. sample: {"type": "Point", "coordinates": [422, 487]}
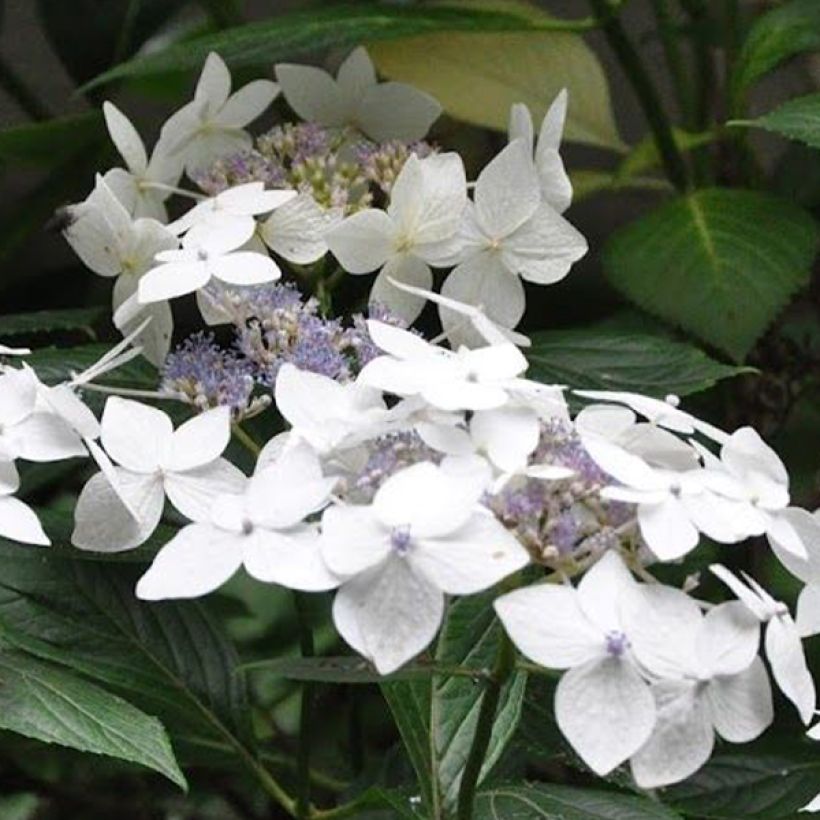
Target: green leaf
{"type": "Point", "coordinates": [477, 77]}
{"type": "Point", "coordinates": [437, 718]}
{"type": "Point", "coordinates": [550, 802]}
{"type": "Point", "coordinates": [620, 356]}
{"type": "Point", "coordinates": [49, 704]}
{"type": "Point", "coordinates": [287, 35]}
{"type": "Point", "coordinates": [168, 659]}
{"type": "Point", "coordinates": [23, 806]}
{"type": "Point", "coordinates": [797, 119]}
{"type": "Point", "coordinates": [52, 142]}
{"type": "Point", "coordinates": [56, 364]}
{"type": "Point", "coordinates": [719, 263]}
{"type": "Point", "coordinates": [50, 321]}
{"type": "Point", "coordinates": [750, 786]}
{"type": "Point", "coordinates": [791, 29]}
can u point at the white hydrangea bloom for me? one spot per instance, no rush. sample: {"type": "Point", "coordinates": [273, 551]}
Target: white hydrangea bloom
{"type": "Point", "coordinates": [211, 125]}
{"type": "Point", "coordinates": [120, 506]}
{"type": "Point", "coordinates": [143, 185]}
{"type": "Point", "coordinates": [423, 536]}
{"type": "Point", "coordinates": [262, 529]}
{"type": "Point", "coordinates": [603, 706]}
{"type": "Point", "coordinates": [381, 111]}
{"type": "Point", "coordinates": [18, 521]}
{"type": "Point", "coordinates": [426, 203]}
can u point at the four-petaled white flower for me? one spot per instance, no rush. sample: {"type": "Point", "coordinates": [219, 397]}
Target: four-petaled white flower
{"type": "Point", "coordinates": [262, 529]}
{"type": "Point", "coordinates": [556, 188]}
{"type": "Point", "coordinates": [426, 203]}
{"type": "Point", "coordinates": [423, 536]}
{"type": "Point", "coordinates": [782, 641]}
{"type": "Point", "coordinates": [507, 234]}
{"type": "Point", "coordinates": [143, 185]}
{"type": "Point", "coordinates": [603, 706]}
{"type": "Point", "coordinates": [211, 125]}
{"type": "Point", "coordinates": [478, 379]}
{"type": "Point", "coordinates": [18, 521]}
{"type": "Point", "coordinates": [707, 678]}
{"type": "Point", "coordinates": [120, 506]}
{"type": "Point", "coordinates": [216, 253]}
{"type": "Point", "coordinates": [381, 111]}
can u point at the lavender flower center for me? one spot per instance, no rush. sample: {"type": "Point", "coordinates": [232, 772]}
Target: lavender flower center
{"type": "Point", "coordinates": [400, 540]}
{"type": "Point", "coordinates": [616, 643]}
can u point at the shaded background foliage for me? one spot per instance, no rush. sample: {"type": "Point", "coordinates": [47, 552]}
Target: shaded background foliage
{"type": "Point", "coordinates": [678, 293]}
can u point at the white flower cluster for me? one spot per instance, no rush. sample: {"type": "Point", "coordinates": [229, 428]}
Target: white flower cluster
{"type": "Point", "coordinates": [435, 470]}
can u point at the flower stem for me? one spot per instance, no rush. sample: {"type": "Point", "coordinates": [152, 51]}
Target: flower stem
{"type": "Point", "coordinates": [242, 436]}
{"type": "Point", "coordinates": [646, 92]}
{"type": "Point", "coordinates": [303, 809]}
{"type": "Point", "coordinates": [503, 668]}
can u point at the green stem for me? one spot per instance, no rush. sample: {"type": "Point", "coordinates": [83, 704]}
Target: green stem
{"type": "Point", "coordinates": [674, 58]}
{"type": "Point", "coordinates": [305, 711]}
{"type": "Point", "coordinates": [647, 95]}
{"type": "Point", "coordinates": [241, 436]}
{"type": "Point", "coordinates": [503, 668]}
{"type": "Point", "coordinates": [126, 32]}
{"type": "Point", "coordinates": [14, 85]}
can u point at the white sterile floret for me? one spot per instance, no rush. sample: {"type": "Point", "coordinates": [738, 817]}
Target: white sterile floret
{"type": "Point", "coordinates": [327, 414]}
{"type": "Point", "coordinates": [426, 203]}
{"type": "Point", "coordinates": [262, 529]}
{"type": "Point", "coordinates": [296, 230]}
{"type": "Point", "coordinates": [14, 351]}
{"type": "Point", "coordinates": [782, 641]}
{"type": "Point", "coordinates": [121, 506]}
{"type": "Point", "coordinates": [423, 536]}
{"type": "Point", "coordinates": [18, 521]}
{"type": "Point", "coordinates": [507, 233]}
{"type": "Point", "coordinates": [28, 429]}
{"type": "Point", "coordinates": [215, 253]}
{"type": "Point", "coordinates": [603, 706]}
{"type": "Point", "coordinates": [464, 379]}
{"type": "Point", "coordinates": [381, 111]}
{"type": "Point", "coordinates": [706, 676]}
{"type": "Point", "coordinates": [807, 526]}
{"type": "Point", "coordinates": [143, 185]}
{"type": "Point", "coordinates": [112, 244]}
{"type": "Point", "coordinates": [556, 188]}
{"type": "Point", "coordinates": [233, 209]}
{"type": "Point", "coordinates": [211, 125]}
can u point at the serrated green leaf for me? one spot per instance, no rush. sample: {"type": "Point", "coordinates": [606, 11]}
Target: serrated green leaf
{"type": "Point", "coordinates": [296, 33]}
{"type": "Point", "coordinates": [719, 263]}
{"type": "Point", "coordinates": [791, 29]}
{"type": "Point", "coordinates": [437, 718]}
{"type": "Point", "coordinates": [797, 119]}
{"type": "Point", "coordinates": [614, 356]}
{"type": "Point", "coordinates": [770, 786]}
{"type": "Point", "coordinates": [46, 703]}
{"type": "Point", "coordinates": [168, 659]}
{"type": "Point", "coordinates": [477, 77]}
{"type": "Point", "coordinates": [50, 321]}
{"type": "Point", "coordinates": [550, 802]}
{"type": "Point", "coordinates": [51, 142]}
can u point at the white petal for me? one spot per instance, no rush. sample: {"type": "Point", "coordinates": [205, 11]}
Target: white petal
{"type": "Point", "coordinates": [601, 589]}
{"type": "Point", "coordinates": [743, 593]}
{"type": "Point", "coordinates": [155, 339]}
{"type": "Point", "coordinates": [782, 532]}
{"type": "Point", "coordinates": [362, 242]}
{"type": "Point", "coordinates": [388, 614]}
{"type": "Point", "coordinates": [427, 500]}
{"type": "Point", "coordinates": [199, 440]}
{"type": "Point", "coordinates": [473, 558]}
{"type": "Point", "coordinates": [214, 83]}
{"type": "Point", "coordinates": [409, 270]}
{"type": "Point", "coordinates": [625, 467]}
{"type": "Point", "coordinates": [741, 705]}
{"type": "Point", "coordinates": [103, 523]}
{"type": "Point", "coordinates": [125, 138]}
{"type": "Point", "coordinates": [682, 740]}
{"type": "Point", "coordinates": [446, 438]}
{"type": "Point", "coordinates": [544, 248]}
{"type": "Point", "coordinates": [547, 624]}
{"type": "Point", "coordinates": [728, 639]}
{"type": "Point", "coordinates": [171, 280]}
{"type": "Point", "coordinates": [44, 437]}
{"type": "Point", "coordinates": [807, 526]}
{"type": "Point", "coordinates": [18, 395]}
{"type": "Point", "coordinates": [394, 111]}
{"type": "Point", "coordinates": [808, 610]}
{"type": "Point", "coordinates": [605, 711]}
{"type": "Point", "coordinates": [292, 559]}
{"type": "Point", "coordinates": [785, 653]}
{"type": "Point", "coordinates": [18, 522]}
{"type": "Point", "coordinates": [520, 125]}
{"type": "Point", "coordinates": [9, 478]}
{"type": "Point", "coordinates": [507, 192]}
{"type": "Point", "coordinates": [507, 434]}
{"type": "Point", "coordinates": [355, 75]}
{"type": "Point", "coordinates": [352, 539]}
{"type": "Point", "coordinates": [196, 561]}
{"type": "Point", "coordinates": [667, 530]}
{"type": "Point", "coordinates": [604, 420]}
{"type": "Point", "coordinates": [194, 491]}
{"type": "Point", "coordinates": [135, 435]}
{"type": "Point", "coordinates": [313, 94]}
{"type": "Point", "coordinates": [556, 188]}
{"type": "Point", "coordinates": [211, 144]}
{"type": "Point", "coordinates": [296, 230]}
{"type": "Point", "coordinates": [401, 343]}
{"type": "Point", "coordinates": [812, 805]}
{"type": "Point", "coordinates": [746, 452]}
{"type": "Point", "coordinates": [247, 103]}
{"type": "Point", "coordinates": [246, 268]}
